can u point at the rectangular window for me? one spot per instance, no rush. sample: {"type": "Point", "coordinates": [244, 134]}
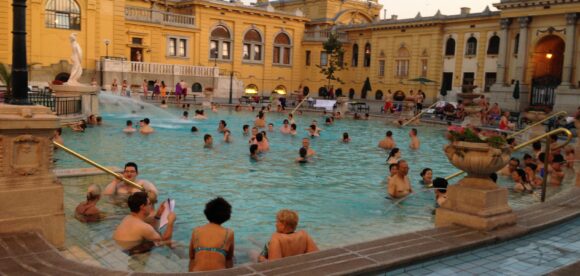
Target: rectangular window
{"type": "Point", "coordinates": [402, 69]}
{"type": "Point", "coordinates": [286, 55]}
{"type": "Point", "coordinates": [468, 81]}
{"type": "Point", "coordinates": [424, 68]}
{"type": "Point", "coordinates": [226, 50]}
{"type": "Point", "coordinates": [307, 58]}
{"type": "Point", "coordinates": [277, 55]}
{"type": "Point", "coordinates": [257, 52]}
{"type": "Point", "coordinates": [323, 58]}
{"type": "Point", "coordinates": [341, 59]}
{"type": "Point", "coordinates": [490, 79]}
{"type": "Point", "coordinates": [381, 68]}
{"type": "Point", "coordinates": [137, 41]}
{"type": "Point", "coordinates": [183, 48]}
{"type": "Point", "coordinates": [246, 51]}
{"type": "Point", "coordinates": [172, 47]}
{"type": "Point", "coordinates": [213, 49]}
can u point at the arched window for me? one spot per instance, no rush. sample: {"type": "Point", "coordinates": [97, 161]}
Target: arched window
{"type": "Point", "coordinates": [196, 87]}
{"type": "Point", "coordinates": [351, 93]}
{"type": "Point", "coordinates": [471, 47]}
{"type": "Point", "coordinates": [379, 95]}
{"type": "Point", "coordinates": [220, 44]}
{"type": "Point", "coordinates": [355, 55]}
{"type": "Point", "coordinates": [306, 91]}
{"type": "Point", "coordinates": [62, 14]}
{"type": "Point", "coordinates": [402, 63]}
{"type": "Point", "coordinates": [280, 90]}
{"type": "Point", "coordinates": [367, 55]}
{"type": "Point", "coordinates": [282, 49]}
{"type": "Point", "coordinates": [450, 47]}
{"type": "Point", "coordinates": [493, 47]}
{"type": "Point", "coordinates": [322, 92]}
{"type": "Point", "coordinates": [338, 92]}
{"type": "Point", "coordinates": [252, 50]}
{"type": "Point", "coordinates": [516, 44]}
{"type": "Point", "coordinates": [251, 89]}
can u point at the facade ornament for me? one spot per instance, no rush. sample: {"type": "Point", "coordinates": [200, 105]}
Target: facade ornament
{"type": "Point", "coordinates": [550, 30]}
{"type": "Point", "coordinates": [524, 21]}
{"type": "Point", "coordinates": [571, 18]}
{"type": "Point", "coordinates": [27, 155]}
{"type": "Point", "coordinates": [505, 23]}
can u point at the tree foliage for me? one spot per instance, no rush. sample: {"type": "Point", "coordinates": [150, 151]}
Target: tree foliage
{"type": "Point", "coordinates": [335, 58]}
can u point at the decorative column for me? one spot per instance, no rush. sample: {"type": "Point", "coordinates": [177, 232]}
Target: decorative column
{"type": "Point", "coordinates": [31, 197]}
{"type": "Point", "coordinates": [522, 49]}
{"type": "Point", "coordinates": [501, 59]}
{"type": "Point", "coordinates": [570, 47]}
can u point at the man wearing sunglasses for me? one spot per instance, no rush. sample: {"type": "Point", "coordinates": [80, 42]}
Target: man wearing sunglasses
{"type": "Point", "coordinates": [119, 188]}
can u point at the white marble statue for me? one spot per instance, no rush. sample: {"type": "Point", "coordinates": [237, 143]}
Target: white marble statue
{"type": "Point", "coordinates": [77, 56]}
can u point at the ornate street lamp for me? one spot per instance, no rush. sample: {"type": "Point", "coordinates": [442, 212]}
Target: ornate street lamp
{"type": "Point", "coordinates": [19, 61]}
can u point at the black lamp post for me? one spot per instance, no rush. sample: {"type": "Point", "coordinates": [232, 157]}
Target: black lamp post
{"type": "Point", "coordinates": [19, 62]}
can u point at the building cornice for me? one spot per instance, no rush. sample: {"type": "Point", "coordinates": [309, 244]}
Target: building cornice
{"type": "Point", "coordinates": [518, 4]}
{"type": "Point", "coordinates": [245, 9]}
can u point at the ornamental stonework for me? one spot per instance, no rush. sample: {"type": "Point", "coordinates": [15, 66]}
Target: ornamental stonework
{"type": "Point", "coordinates": [26, 156]}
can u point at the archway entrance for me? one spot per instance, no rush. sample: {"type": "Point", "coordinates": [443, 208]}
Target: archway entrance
{"type": "Point", "coordinates": [548, 58]}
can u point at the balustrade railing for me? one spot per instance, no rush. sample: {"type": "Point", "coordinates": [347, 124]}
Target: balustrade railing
{"type": "Point", "coordinates": [158, 17]}
{"type": "Point", "coordinates": [59, 105]}
{"type": "Point", "coordinates": [157, 68]}
{"type": "Point", "coordinates": [322, 35]}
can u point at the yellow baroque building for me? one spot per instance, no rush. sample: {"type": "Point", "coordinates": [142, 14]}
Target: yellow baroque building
{"type": "Point", "coordinates": [277, 46]}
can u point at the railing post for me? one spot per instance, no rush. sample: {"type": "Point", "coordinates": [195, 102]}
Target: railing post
{"type": "Point", "coordinates": [546, 168]}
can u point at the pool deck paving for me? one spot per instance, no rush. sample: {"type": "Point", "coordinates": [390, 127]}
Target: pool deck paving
{"type": "Point", "coordinates": [29, 253]}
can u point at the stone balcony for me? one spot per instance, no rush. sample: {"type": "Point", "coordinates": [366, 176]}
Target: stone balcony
{"type": "Point", "coordinates": [322, 36]}
{"type": "Point", "coordinates": [159, 17]}
{"type": "Point", "coordinates": [123, 66]}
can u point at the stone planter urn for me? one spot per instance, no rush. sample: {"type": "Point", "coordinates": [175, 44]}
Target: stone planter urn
{"type": "Point", "coordinates": [476, 201]}
{"type": "Point", "coordinates": [534, 117]}
{"type": "Point", "coordinates": [342, 104]}
{"type": "Point", "coordinates": [208, 97]}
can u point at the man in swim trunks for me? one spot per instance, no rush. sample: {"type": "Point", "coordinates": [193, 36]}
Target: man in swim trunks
{"type": "Point", "coordinates": [207, 141]}
{"type": "Point", "coordinates": [119, 187]}
{"type": "Point", "coordinates": [387, 142]}
{"type": "Point", "coordinates": [399, 185]}
{"type": "Point", "coordinates": [306, 145]}
{"type": "Point", "coordinates": [87, 211]}
{"type": "Point", "coordinates": [134, 234]}
{"type": "Point", "coordinates": [415, 144]}
{"type": "Point", "coordinates": [146, 129]}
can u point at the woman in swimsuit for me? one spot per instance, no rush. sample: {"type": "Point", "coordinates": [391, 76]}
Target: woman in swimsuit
{"type": "Point", "coordinates": [212, 246]}
{"type": "Point", "coordinates": [163, 90]}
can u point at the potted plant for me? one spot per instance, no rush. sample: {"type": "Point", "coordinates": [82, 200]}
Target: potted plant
{"type": "Point", "coordinates": [477, 152]}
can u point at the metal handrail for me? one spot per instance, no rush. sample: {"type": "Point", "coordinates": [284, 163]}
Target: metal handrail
{"type": "Point", "coordinates": [419, 115]}
{"type": "Point", "coordinates": [299, 104]}
{"type": "Point", "coordinates": [531, 141]}
{"type": "Point", "coordinates": [98, 166]}
{"type": "Point", "coordinates": [562, 113]}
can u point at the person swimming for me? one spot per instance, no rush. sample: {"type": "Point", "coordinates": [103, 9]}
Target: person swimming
{"type": "Point", "coordinates": [302, 156]}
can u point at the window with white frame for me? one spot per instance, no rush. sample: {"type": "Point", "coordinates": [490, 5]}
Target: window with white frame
{"type": "Point", "coordinates": [424, 67]}
{"type": "Point", "coordinates": [402, 69]}
{"type": "Point", "coordinates": [220, 43]}
{"type": "Point", "coordinates": [381, 68]}
{"type": "Point", "coordinates": [471, 47]}
{"type": "Point", "coordinates": [282, 49]}
{"type": "Point", "coordinates": [177, 47]}
{"type": "Point", "coordinates": [252, 50]}
{"type": "Point", "coordinates": [323, 58]}
{"type": "Point", "coordinates": [62, 14]}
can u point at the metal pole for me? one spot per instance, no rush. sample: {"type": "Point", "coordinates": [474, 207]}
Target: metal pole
{"type": "Point", "coordinates": [19, 62]}
{"type": "Point", "coordinates": [231, 86]}
{"type": "Point", "coordinates": [546, 170]}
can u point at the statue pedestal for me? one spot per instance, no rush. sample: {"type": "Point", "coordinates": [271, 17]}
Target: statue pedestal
{"type": "Point", "coordinates": [208, 98]}
{"type": "Point", "coordinates": [342, 105]}
{"type": "Point", "coordinates": [472, 116]}
{"type": "Point", "coordinates": [408, 110]}
{"type": "Point", "coordinates": [88, 94]}
{"type": "Point", "coordinates": [31, 197]}
{"type": "Point", "coordinates": [482, 208]}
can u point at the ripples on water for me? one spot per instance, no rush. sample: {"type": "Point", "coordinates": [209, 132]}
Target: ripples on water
{"type": "Point", "coordinates": [340, 196]}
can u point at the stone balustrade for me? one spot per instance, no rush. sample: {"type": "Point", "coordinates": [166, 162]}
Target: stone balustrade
{"type": "Point", "coordinates": [322, 35]}
{"type": "Point", "coordinates": [158, 17]}
{"type": "Point", "coordinates": [115, 65]}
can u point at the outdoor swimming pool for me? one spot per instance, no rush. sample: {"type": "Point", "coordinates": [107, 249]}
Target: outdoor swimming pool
{"type": "Point", "coordinates": [340, 196]}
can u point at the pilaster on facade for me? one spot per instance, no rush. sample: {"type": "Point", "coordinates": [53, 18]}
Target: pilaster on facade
{"type": "Point", "coordinates": [503, 51]}
{"type": "Point", "coordinates": [523, 48]}
{"type": "Point", "coordinates": [571, 38]}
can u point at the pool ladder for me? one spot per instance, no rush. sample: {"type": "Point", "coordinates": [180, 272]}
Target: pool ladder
{"type": "Point", "coordinates": [98, 166]}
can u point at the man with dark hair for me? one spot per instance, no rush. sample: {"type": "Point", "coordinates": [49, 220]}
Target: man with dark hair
{"type": "Point", "coordinates": [246, 130]}
{"type": "Point", "coordinates": [440, 185]}
{"type": "Point", "coordinates": [207, 141]}
{"type": "Point", "coordinates": [387, 142]}
{"type": "Point", "coordinates": [134, 234]}
{"type": "Point", "coordinates": [537, 146]}
{"type": "Point", "coordinates": [508, 170]}
{"type": "Point", "coordinates": [556, 174]}
{"type": "Point", "coordinates": [119, 187]}
{"type": "Point", "coordinates": [146, 129]}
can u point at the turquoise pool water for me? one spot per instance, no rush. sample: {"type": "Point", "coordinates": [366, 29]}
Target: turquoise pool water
{"type": "Point", "coordinates": [340, 196]}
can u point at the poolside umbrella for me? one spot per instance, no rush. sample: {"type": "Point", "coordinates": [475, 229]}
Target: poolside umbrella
{"type": "Point", "coordinates": [366, 87]}
{"type": "Point", "coordinates": [422, 80]}
{"type": "Point", "coordinates": [516, 93]}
